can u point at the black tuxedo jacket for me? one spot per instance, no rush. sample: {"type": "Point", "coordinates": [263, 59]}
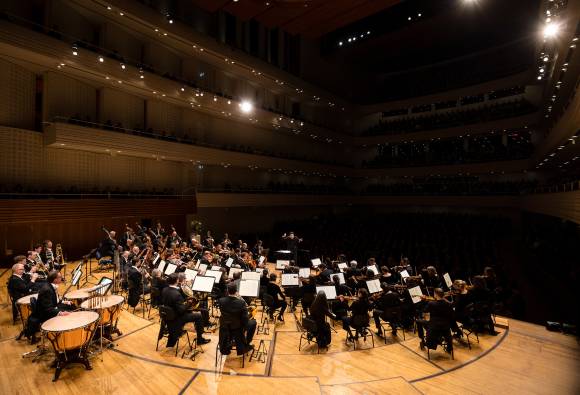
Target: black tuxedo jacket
{"type": "Point", "coordinates": [19, 287]}
{"type": "Point", "coordinates": [172, 297]}
{"type": "Point", "coordinates": [47, 302]}
{"type": "Point", "coordinates": [234, 312]}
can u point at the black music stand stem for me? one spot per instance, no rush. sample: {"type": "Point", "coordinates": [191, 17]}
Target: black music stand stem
{"type": "Point", "coordinates": [89, 271]}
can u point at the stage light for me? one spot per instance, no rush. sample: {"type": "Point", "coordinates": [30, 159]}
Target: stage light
{"type": "Point", "coordinates": [123, 66]}
{"type": "Point", "coordinates": [75, 51]}
{"type": "Point", "coordinates": [170, 21]}
{"type": "Point", "coordinates": [340, 43]}
{"type": "Point", "coordinates": [551, 30]}
{"type": "Point", "coordinates": [101, 59]}
{"type": "Point", "coordinates": [246, 106]}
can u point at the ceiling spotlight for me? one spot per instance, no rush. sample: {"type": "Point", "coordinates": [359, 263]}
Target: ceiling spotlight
{"type": "Point", "coordinates": [551, 30]}
{"type": "Point", "coordinates": [214, 98]}
{"type": "Point", "coordinates": [75, 51]}
{"type": "Point", "coordinates": [246, 106]}
{"type": "Point", "coordinates": [123, 66]}
{"type": "Point", "coordinates": [229, 102]}
{"type": "Point", "coordinates": [340, 43]}
{"type": "Point", "coordinates": [142, 76]}
{"type": "Point", "coordinates": [350, 39]}
{"type": "Point", "coordinates": [101, 59]}
{"type": "Point", "coordinates": [183, 89]}
{"type": "Point", "coordinates": [546, 59]}
{"type": "Point", "coordinates": [170, 21]}
{"type": "Point", "coordinates": [109, 8]}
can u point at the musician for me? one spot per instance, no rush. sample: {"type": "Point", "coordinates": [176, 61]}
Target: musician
{"type": "Point", "coordinates": [430, 278]}
{"type": "Point", "coordinates": [292, 244]}
{"type": "Point", "coordinates": [274, 290]}
{"type": "Point", "coordinates": [20, 284]}
{"type": "Point", "coordinates": [30, 261]}
{"type": "Point", "coordinates": [387, 276]}
{"type": "Point", "coordinates": [341, 289]}
{"type": "Point", "coordinates": [209, 241]}
{"type": "Point", "coordinates": [207, 258]}
{"type": "Point", "coordinates": [323, 274]}
{"type": "Point", "coordinates": [47, 255]}
{"type": "Point", "coordinates": [234, 321]}
{"type": "Point", "coordinates": [137, 282]}
{"type": "Point", "coordinates": [340, 307]}
{"type": "Point", "coordinates": [360, 307]}
{"type": "Point", "coordinates": [258, 249]}
{"type": "Point", "coordinates": [49, 303]}
{"type": "Point", "coordinates": [173, 298]}
{"type": "Point", "coordinates": [38, 254]}
{"type": "Point", "coordinates": [109, 244]}
{"type": "Point", "coordinates": [226, 241]}
{"type": "Point", "coordinates": [318, 312]}
{"type": "Point", "coordinates": [441, 319]}
{"type": "Point", "coordinates": [483, 300]}
{"type": "Point", "coordinates": [158, 282]}
{"type": "Point", "coordinates": [388, 300]}
{"type": "Point", "coordinates": [308, 292]}
{"type": "Point", "coordinates": [173, 238]}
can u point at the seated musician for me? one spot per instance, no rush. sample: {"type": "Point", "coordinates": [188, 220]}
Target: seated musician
{"type": "Point", "coordinates": [20, 284]}
{"type": "Point", "coordinates": [441, 319]}
{"type": "Point", "coordinates": [387, 276]}
{"type": "Point", "coordinates": [384, 307]}
{"type": "Point", "coordinates": [30, 261]}
{"type": "Point", "coordinates": [359, 308]}
{"type": "Point", "coordinates": [340, 307]}
{"type": "Point", "coordinates": [308, 291]}
{"type": "Point", "coordinates": [274, 290]}
{"type": "Point", "coordinates": [207, 258]}
{"type": "Point", "coordinates": [202, 307]}
{"type": "Point", "coordinates": [234, 322]}
{"type": "Point", "coordinates": [430, 278]}
{"type": "Point", "coordinates": [483, 300]}
{"type": "Point", "coordinates": [323, 274]}
{"type": "Point", "coordinates": [173, 298]}
{"type": "Point", "coordinates": [137, 283]}
{"type": "Point", "coordinates": [318, 312]}
{"type": "Point", "coordinates": [158, 282]}
{"type": "Point", "coordinates": [49, 303]}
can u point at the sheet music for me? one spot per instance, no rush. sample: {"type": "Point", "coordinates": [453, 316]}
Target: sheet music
{"type": "Point", "coordinates": [448, 281]}
{"type": "Point", "coordinates": [161, 266]}
{"type": "Point", "coordinates": [340, 277]}
{"type": "Point", "coordinates": [416, 294]}
{"type": "Point", "coordinates": [290, 279]}
{"type": "Point", "coordinates": [404, 274]}
{"type": "Point", "coordinates": [316, 262]}
{"type": "Point", "coordinates": [343, 266]}
{"type": "Point", "coordinates": [202, 267]}
{"type": "Point", "coordinates": [374, 269]}
{"type": "Point", "coordinates": [304, 272]}
{"type": "Point", "coordinates": [217, 274]}
{"type": "Point", "coordinates": [76, 277]}
{"type": "Point", "coordinates": [281, 264]}
{"type": "Point", "coordinates": [170, 268]}
{"type": "Point", "coordinates": [190, 274]}
{"type": "Point", "coordinates": [229, 262]}
{"type": "Point", "coordinates": [283, 251]}
{"type": "Point", "coordinates": [374, 286]}
{"type": "Point", "coordinates": [251, 276]}
{"type": "Point", "coordinates": [261, 260]}
{"type": "Point", "coordinates": [104, 285]}
{"type": "Point", "coordinates": [157, 257]}
{"type": "Point", "coordinates": [250, 288]}
{"type": "Point", "coordinates": [259, 270]}
{"type": "Point", "coordinates": [202, 284]}
{"type": "Point", "coordinates": [234, 270]}
{"type": "Point", "coordinates": [215, 267]}
{"type": "Point", "coordinates": [329, 290]}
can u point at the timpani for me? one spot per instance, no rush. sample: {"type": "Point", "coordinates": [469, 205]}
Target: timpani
{"type": "Point", "coordinates": [70, 336]}
{"type": "Point", "coordinates": [77, 296]}
{"type": "Point", "coordinates": [109, 309]}
{"type": "Point", "coordinates": [25, 309]}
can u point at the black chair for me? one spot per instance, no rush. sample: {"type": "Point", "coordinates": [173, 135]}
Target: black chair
{"type": "Point", "coordinates": [439, 338]}
{"type": "Point", "coordinates": [308, 331]}
{"type": "Point", "coordinates": [482, 316]}
{"type": "Point", "coordinates": [167, 314]}
{"type": "Point", "coordinates": [154, 300]}
{"type": "Point", "coordinates": [307, 300]}
{"type": "Point", "coordinates": [225, 337]}
{"type": "Point", "coordinates": [361, 326]}
{"type": "Point", "coordinates": [468, 326]}
{"type": "Point", "coordinates": [393, 318]}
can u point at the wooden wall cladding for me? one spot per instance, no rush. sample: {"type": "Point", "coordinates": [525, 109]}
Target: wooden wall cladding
{"type": "Point", "coordinates": [76, 223]}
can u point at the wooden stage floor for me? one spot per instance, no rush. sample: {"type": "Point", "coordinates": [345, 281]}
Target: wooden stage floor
{"type": "Point", "coordinates": [523, 359]}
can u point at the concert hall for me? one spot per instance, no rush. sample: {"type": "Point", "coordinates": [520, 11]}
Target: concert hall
{"type": "Point", "coordinates": [241, 197]}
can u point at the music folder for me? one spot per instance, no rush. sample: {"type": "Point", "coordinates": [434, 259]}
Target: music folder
{"type": "Point", "coordinates": [217, 274]}
{"type": "Point", "coordinates": [203, 284]}
{"type": "Point", "coordinates": [161, 266]}
{"type": "Point", "coordinates": [234, 270]}
{"type": "Point", "coordinates": [416, 294]}
{"type": "Point", "coordinates": [448, 281]}
{"type": "Point", "coordinates": [249, 288]}
{"type": "Point", "coordinates": [261, 259]}
{"type": "Point", "coordinates": [170, 268]}
{"type": "Point", "coordinates": [290, 279]}
{"type": "Point", "coordinates": [202, 267]}
{"type": "Point", "coordinates": [329, 290]}
{"type": "Point", "coordinates": [304, 272]}
{"type": "Point", "coordinates": [374, 269]}
{"type": "Point", "coordinates": [190, 274]}
{"type": "Point", "coordinates": [404, 274]}
{"type": "Point", "coordinates": [340, 277]}
{"type": "Point", "coordinates": [374, 286]}
{"type": "Point", "coordinates": [251, 276]}
{"type": "Point", "coordinates": [281, 264]}
{"type": "Point", "coordinates": [316, 262]}
{"type": "Point", "coordinates": [229, 262]}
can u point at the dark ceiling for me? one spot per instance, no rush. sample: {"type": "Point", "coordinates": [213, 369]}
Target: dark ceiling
{"type": "Point", "coordinates": [310, 18]}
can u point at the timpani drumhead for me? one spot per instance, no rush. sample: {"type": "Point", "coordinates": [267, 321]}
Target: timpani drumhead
{"type": "Point", "coordinates": [26, 299]}
{"type": "Point", "coordinates": [82, 293]}
{"type": "Point", "coordinates": [102, 302]}
{"type": "Point", "coordinates": [23, 305]}
{"type": "Point", "coordinates": [74, 320]}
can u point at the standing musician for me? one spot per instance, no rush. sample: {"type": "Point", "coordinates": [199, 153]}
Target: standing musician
{"type": "Point", "coordinates": [209, 241]}
{"type": "Point", "coordinates": [20, 284]}
{"type": "Point", "coordinates": [234, 321]}
{"type": "Point", "coordinates": [109, 243]}
{"type": "Point", "coordinates": [173, 299]}
{"type": "Point", "coordinates": [292, 244]}
{"type": "Point", "coordinates": [47, 255]}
